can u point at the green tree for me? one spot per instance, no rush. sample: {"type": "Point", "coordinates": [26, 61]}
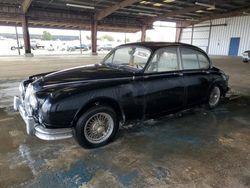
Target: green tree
{"type": "Point", "coordinates": [47, 36]}
{"type": "Point", "coordinates": [87, 37]}
{"type": "Point", "coordinates": [148, 39]}
{"type": "Point", "coordinates": [107, 37]}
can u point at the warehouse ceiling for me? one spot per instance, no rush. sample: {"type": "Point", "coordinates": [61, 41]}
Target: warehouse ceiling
{"type": "Point", "coordinates": [117, 15]}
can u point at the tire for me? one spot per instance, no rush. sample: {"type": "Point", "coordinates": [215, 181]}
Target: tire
{"type": "Point", "coordinates": [13, 48]}
{"type": "Point", "coordinates": [214, 97]}
{"type": "Point", "coordinates": [88, 121]}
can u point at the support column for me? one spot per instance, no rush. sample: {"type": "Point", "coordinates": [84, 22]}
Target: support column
{"type": "Point", "coordinates": [192, 34]}
{"type": "Point", "coordinates": [209, 36]}
{"type": "Point", "coordinates": [17, 41]}
{"type": "Point", "coordinates": [125, 38]}
{"type": "Point", "coordinates": [26, 37]}
{"type": "Point", "coordinates": [143, 33]}
{"type": "Point", "coordinates": [94, 37]}
{"type": "Point", "coordinates": [178, 33]}
{"type": "Point", "coordinates": [80, 38]}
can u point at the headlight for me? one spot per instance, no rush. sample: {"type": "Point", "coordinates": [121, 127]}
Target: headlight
{"type": "Point", "coordinates": [21, 89]}
{"type": "Point", "coordinates": [33, 101]}
{"type": "Point", "coordinates": [30, 97]}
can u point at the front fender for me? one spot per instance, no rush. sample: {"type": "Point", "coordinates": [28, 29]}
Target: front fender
{"type": "Point", "coordinates": [223, 84]}
{"type": "Point", "coordinates": [63, 110]}
{"type": "Point", "coordinates": [101, 100]}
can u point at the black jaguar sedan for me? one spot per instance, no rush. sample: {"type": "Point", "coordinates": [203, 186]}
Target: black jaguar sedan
{"type": "Point", "coordinates": [134, 82]}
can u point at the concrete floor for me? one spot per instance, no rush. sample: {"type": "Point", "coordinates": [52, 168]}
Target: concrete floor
{"type": "Point", "coordinates": [200, 148]}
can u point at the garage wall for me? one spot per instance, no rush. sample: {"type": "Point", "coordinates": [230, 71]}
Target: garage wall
{"type": "Point", "coordinates": [220, 35]}
{"type": "Point", "coordinates": [200, 36]}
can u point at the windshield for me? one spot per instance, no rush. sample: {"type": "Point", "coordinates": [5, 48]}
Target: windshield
{"type": "Point", "coordinates": [132, 57]}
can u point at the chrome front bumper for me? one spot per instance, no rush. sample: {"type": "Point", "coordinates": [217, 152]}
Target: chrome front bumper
{"type": "Point", "coordinates": [33, 128]}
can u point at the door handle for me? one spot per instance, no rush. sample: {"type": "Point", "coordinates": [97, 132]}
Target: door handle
{"type": "Point", "coordinates": [207, 72]}
{"type": "Point", "coordinates": [179, 73]}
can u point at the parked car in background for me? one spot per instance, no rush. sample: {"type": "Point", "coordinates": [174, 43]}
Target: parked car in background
{"type": "Point", "coordinates": [246, 56]}
{"type": "Point", "coordinates": [84, 47]}
{"type": "Point", "coordinates": [50, 48]}
{"type": "Point", "coordinates": [36, 45]}
{"type": "Point", "coordinates": [106, 47]}
{"type": "Point", "coordinates": [62, 47]}
{"type": "Point", "coordinates": [16, 47]}
{"type": "Point", "coordinates": [135, 81]}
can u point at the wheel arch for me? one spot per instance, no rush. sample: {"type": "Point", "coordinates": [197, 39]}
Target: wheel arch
{"type": "Point", "coordinates": [100, 101]}
{"type": "Point", "coordinates": [218, 83]}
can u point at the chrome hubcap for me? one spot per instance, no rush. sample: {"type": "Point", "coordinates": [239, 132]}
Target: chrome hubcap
{"type": "Point", "coordinates": [214, 96]}
{"type": "Point", "coordinates": [98, 128]}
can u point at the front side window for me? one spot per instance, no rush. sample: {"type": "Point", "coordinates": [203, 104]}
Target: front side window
{"type": "Point", "coordinates": [129, 56]}
{"type": "Point", "coordinates": [164, 60]}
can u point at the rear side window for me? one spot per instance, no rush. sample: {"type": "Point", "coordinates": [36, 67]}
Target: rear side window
{"type": "Point", "coordinates": [189, 59]}
{"type": "Point", "coordinates": [203, 60]}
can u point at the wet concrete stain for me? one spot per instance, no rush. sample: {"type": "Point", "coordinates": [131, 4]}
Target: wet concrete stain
{"type": "Point", "coordinates": [197, 148]}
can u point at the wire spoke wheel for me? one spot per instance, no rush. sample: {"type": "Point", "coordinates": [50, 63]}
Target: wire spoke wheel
{"type": "Point", "coordinates": [214, 96]}
{"type": "Point", "coordinates": [98, 128]}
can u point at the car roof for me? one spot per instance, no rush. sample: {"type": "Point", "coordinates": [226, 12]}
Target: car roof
{"type": "Point", "coordinates": [156, 45]}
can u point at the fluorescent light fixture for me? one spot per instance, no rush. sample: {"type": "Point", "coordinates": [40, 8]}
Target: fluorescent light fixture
{"type": "Point", "coordinates": [199, 11]}
{"type": "Point", "coordinates": [147, 14]}
{"type": "Point", "coordinates": [168, 1]}
{"type": "Point", "coordinates": [157, 4]}
{"type": "Point", "coordinates": [79, 6]}
{"type": "Point", "coordinates": [191, 19]}
{"type": "Point", "coordinates": [145, 2]}
{"type": "Point", "coordinates": [209, 6]}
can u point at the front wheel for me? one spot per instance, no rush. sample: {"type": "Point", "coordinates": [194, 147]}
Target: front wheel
{"type": "Point", "coordinates": [214, 97]}
{"type": "Point", "coordinates": [96, 127]}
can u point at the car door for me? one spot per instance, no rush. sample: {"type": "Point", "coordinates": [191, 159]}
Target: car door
{"type": "Point", "coordinates": [163, 84]}
{"type": "Point", "coordinates": [196, 75]}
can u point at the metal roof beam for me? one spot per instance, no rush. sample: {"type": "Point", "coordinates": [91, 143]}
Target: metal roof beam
{"type": "Point", "coordinates": [239, 12]}
{"type": "Point", "coordinates": [176, 12]}
{"type": "Point", "coordinates": [104, 13]}
{"type": "Point", "coordinates": [25, 5]}
{"type": "Point", "coordinates": [183, 10]}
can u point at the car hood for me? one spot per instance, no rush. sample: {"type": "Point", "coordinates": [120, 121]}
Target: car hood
{"type": "Point", "coordinates": [83, 73]}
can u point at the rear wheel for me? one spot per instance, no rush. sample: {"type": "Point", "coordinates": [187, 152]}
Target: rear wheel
{"type": "Point", "coordinates": [214, 97]}
{"type": "Point", "coordinates": [96, 127]}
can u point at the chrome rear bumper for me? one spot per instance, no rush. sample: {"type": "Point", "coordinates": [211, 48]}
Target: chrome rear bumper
{"type": "Point", "coordinates": [33, 128]}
